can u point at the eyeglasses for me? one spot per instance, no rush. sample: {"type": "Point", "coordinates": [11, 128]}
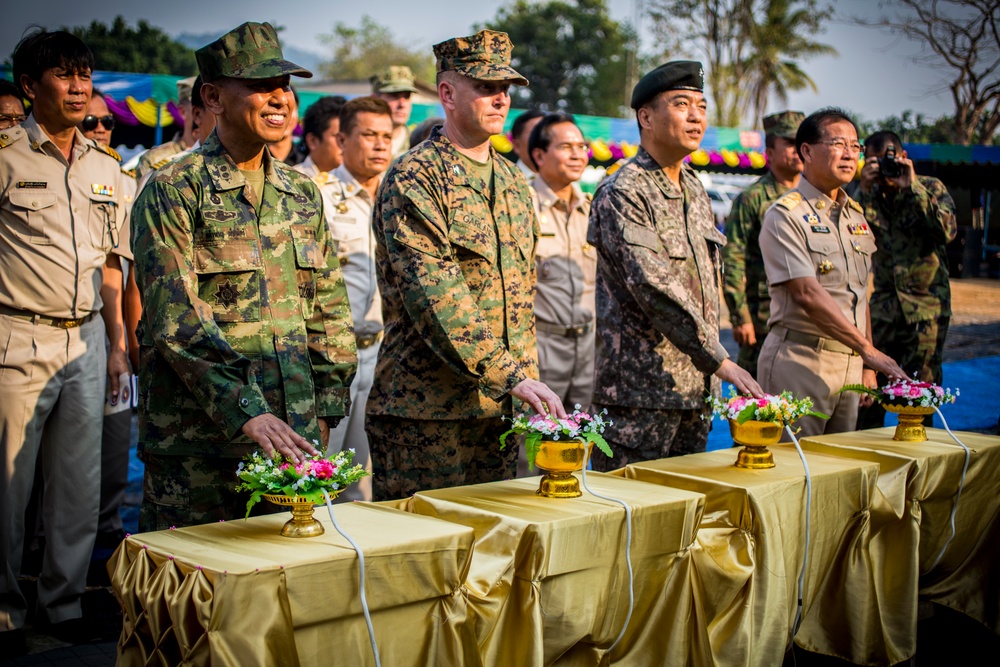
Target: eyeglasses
{"type": "Point", "coordinates": [842, 145]}
{"type": "Point", "coordinates": [90, 122]}
{"type": "Point", "coordinates": [8, 121]}
{"type": "Point", "coordinates": [572, 148]}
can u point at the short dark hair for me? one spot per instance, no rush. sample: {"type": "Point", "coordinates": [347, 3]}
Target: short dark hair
{"type": "Point", "coordinates": [878, 141]}
{"type": "Point", "coordinates": [423, 131]}
{"type": "Point", "coordinates": [9, 89]}
{"type": "Point", "coordinates": [517, 129]}
{"type": "Point", "coordinates": [97, 92]}
{"type": "Point", "coordinates": [320, 113]}
{"type": "Point", "coordinates": [366, 104]}
{"type": "Point", "coordinates": [811, 129]}
{"type": "Point", "coordinates": [40, 50]}
{"type": "Point", "coordinates": [541, 134]}
{"type": "Point", "coordinates": [196, 98]}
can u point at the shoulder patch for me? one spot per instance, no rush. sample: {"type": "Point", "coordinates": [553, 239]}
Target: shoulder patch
{"type": "Point", "coordinates": [789, 200]}
{"type": "Point", "coordinates": [107, 149]}
{"type": "Point", "coordinates": [855, 205]}
{"type": "Point", "coordinates": [9, 136]}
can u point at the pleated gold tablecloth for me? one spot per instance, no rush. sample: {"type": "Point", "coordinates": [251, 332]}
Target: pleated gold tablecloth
{"type": "Point", "coordinates": [548, 581]}
{"type": "Point", "coordinates": [238, 594]}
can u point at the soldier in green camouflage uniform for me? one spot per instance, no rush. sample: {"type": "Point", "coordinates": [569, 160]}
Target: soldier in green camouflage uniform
{"type": "Point", "coordinates": [658, 349]}
{"type": "Point", "coordinates": [745, 284]}
{"type": "Point", "coordinates": [246, 335]}
{"type": "Point", "coordinates": [913, 219]}
{"type": "Point", "coordinates": [456, 234]}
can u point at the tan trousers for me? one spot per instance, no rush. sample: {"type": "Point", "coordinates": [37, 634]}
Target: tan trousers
{"type": "Point", "coordinates": [819, 374]}
{"type": "Point", "coordinates": [350, 432]}
{"type": "Point", "coordinates": [52, 385]}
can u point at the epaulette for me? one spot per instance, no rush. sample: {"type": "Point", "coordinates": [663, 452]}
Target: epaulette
{"type": "Point", "coordinates": [589, 196]}
{"type": "Point", "coordinates": [855, 205]}
{"type": "Point", "coordinates": [10, 136]}
{"type": "Point", "coordinates": [161, 163]}
{"type": "Point", "coordinates": [789, 200]}
{"type": "Point", "coordinates": [107, 149]}
{"type": "Point", "coordinates": [129, 172]}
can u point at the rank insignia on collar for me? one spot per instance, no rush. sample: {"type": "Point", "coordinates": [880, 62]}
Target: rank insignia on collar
{"type": "Point", "coordinates": [825, 267]}
{"type": "Point", "coordinates": [811, 219]}
{"type": "Point", "coordinates": [103, 190]}
{"type": "Point", "coordinates": [820, 204]}
{"type": "Point", "coordinates": [227, 295]}
{"type": "Point", "coordinates": [342, 207]}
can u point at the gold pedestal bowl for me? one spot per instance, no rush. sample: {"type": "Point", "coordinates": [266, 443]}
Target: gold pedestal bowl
{"type": "Point", "coordinates": [911, 422]}
{"type": "Point", "coordinates": [559, 459]}
{"type": "Point", "coordinates": [755, 436]}
{"type": "Point", "coordinates": [302, 523]}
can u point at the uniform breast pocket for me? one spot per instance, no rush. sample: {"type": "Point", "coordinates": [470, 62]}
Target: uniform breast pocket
{"type": "Point", "coordinates": [101, 222]}
{"type": "Point", "coordinates": [350, 237]}
{"type": "Point", "coordinates": [229, 279]}
{"type": "Point", "coordinates": [826, 258]}
{"type": "Point", "coordinates": [32, 215]}
{"type": "Point", "coordinates": [475, 250]}
{"type": "Point", "coordinates": [864, 249]}
{"type": "Point", "coordinates": [308, 260]}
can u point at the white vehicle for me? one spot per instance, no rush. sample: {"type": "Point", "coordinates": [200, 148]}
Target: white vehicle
{"type": "Point", "coordinates": [722, 201]}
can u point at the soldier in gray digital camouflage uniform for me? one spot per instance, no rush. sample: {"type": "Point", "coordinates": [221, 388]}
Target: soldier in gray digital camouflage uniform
{"type": "Point", "coordinates": [744, 281]}
{"type": "Point", "coordinates": [246, 337]}
{"type": "Point", "coordinates": [913, 219]}
{"type": "Point", "coordinates": [456, 238]}
{"type": "Point", "coordinates": [658, 349]}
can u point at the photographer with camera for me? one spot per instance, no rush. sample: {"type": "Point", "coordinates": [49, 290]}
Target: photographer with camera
{"type": "Point", "coordinates": [913, 219]}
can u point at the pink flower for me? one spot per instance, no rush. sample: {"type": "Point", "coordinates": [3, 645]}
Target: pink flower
{"type": "Point", "coordinates": [284, 466]}
{"type": "Point", "coordinates": [761, 402]}
{"type": "Point", "coordinates": [322, 469]}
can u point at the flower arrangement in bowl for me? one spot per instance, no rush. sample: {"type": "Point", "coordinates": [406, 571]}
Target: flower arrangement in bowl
{"type": "Point", "coordinates": [911, 400]}
{"type": "Point", "coordinates": [757, 423]}
{"type": "Point", "coordinates": [300, 486]}
{"type": "Point", "coordinates": [559, 447]}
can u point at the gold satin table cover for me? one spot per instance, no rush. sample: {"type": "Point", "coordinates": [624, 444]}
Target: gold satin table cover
{"type": "Point", "coordinates": [965, 579]}
{"type": "Point", "coordinates": [749, 549]}
{"type": "Point", "coordinates": [548, 583]}
{"type": "Point", "coordinates": [238, 594]}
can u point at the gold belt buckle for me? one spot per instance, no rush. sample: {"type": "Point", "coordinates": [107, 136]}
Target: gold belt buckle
{"type": "Point", "coordinates": [68, 324]}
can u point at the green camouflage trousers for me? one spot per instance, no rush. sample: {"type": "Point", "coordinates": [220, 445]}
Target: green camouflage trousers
{"type": "Point", "coordinates": [918, 348]}
{"type": "Point", "coordinates": [639, 434]}
{"type": "Point", "coordinates": [182, 491]}
{"type": "Point", "coordinates": [410, 455]}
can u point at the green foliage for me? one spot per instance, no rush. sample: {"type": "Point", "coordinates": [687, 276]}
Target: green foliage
{"type": "Point", "coordinates": [573, 53]}
{"type": "Point", "coordinates": [358, 53]}
{"type": "Point", "coordinates": [144, 49]}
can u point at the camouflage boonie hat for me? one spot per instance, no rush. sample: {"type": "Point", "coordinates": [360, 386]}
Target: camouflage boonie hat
{"type": "Point", "coordinates": [783, 124]}
{"type": "Point", "coordinates": [251, 51]}
{"type": "Point", "coordinates": [184, 90]}
{"type": "Point", "coordinates": [395, 79]}
{"type": "Point", "coordinates": [484, 56]}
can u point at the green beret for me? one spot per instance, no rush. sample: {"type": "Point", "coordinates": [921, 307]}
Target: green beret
{"type": "Point", "coordinates": [484, 56]}
{"type": "Point", "coordinates": [676, 75]}
{"type": "Point", "coordinates": [783, 124]}
{"type": "Point", "coordinates": [251, 51]}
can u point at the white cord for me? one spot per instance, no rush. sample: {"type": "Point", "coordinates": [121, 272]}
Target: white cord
{"type": "Point", "coordinates": [805, 553]}
{"type": "Point", "coordinates": [961, 485]}
{"type": "Point", "coordinates": [361, 561]}
{"type": "Point", "coordinates": [628, 547]}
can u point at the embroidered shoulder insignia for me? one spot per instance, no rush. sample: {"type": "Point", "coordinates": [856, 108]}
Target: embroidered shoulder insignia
{"type": "Point", "coordinates": [161, 163]}
{"type": "Point", "coordinates": [789, 200]}
{"type": "Point", "coordinates": [9, 136]}
{"type": "Point", "coordinates": [107, 149]}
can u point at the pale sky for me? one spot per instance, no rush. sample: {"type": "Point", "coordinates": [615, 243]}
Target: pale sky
{"type": "Point", "coordinates": [874, 74]}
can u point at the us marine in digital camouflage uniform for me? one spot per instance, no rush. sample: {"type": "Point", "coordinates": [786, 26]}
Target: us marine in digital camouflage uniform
{"type": "Point", "coordinates": [658, 350]}
{"type": "Point", "coordinates": [745, 284]}
{"type": "Point", "coordinates": [913, 219]}
{"type": "Point", "coordinates": [456, 238]}
{"type": "Point", "coordinates": [246, 335]}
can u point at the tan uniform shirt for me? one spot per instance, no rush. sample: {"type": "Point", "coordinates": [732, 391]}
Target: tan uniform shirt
{"type": "Point", "coordinates": [58, 222]}
{"type": "Point", "coordinates": [350, 222]}
{"type": "Point", "coordinates": [566, 265]}
{"type": "Point", "coordinates": [807, 234]}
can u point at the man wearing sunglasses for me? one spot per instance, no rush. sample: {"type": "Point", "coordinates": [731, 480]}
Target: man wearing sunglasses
{"type": "Point", "coordinates": [817, 249]}
{"type": "Point", "coordinates": [11, 106]}
{"type": "Point", "coordinates": [62, 220]}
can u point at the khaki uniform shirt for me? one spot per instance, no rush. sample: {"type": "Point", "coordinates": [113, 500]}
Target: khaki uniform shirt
{"type": "Point", "coordinates": [58, 222]}
{"type": "Point", "coordinates": [566, 265]}
{"type": "Point", "coordinates": [455, 263]}
{"type": "Point", "coordinates": [657, 289]}
{"type": "Point", "coordinates": [807, 234]}
{"type": "Point", "coordinates": [157, 156]}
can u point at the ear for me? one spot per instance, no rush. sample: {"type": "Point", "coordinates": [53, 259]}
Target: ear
{"type": "Point", "coordinates": [211, 96]}
{"type": "Point", "coordinates": [28, 85]}
{"type": "Point", "coordinates": [806, 153]}
{"type": "Point", "coordinates": [446, 92]}
{"type": "Point", "coordinates": [535, 157]}
{"type": "Point", "coordinates": [341, 139]}
{"type": "Point", "coordinates": [312, 141]}
{"type": "Point", "coordinates": [643, 117]}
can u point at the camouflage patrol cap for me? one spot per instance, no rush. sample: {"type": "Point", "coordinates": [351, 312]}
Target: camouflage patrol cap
{"type": "Point", "coordinates": [783, 124]}
{"type": "Point", "coordinates": [395, 79]}
{"type": "Point", "coordinates": [484, 56]}
{"type": "Point", "coordinates": [251, 51]}
{"type": "Point", "coordinates": [675, 75]}
{"type": "Point", "coordinates": [184, 90]}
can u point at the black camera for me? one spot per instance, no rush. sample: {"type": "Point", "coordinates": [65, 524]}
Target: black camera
{"type": "Point", "coordinates": [888, 166]}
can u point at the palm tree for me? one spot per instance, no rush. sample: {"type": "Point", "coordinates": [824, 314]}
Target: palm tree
{"type": "Point", "coordinates": [779, 40]}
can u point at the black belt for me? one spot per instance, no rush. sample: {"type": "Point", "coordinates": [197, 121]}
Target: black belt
{"type": "Point", "coordinates": [575, 331]}
{"type": "Point", "coordinates": [57, 322]}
